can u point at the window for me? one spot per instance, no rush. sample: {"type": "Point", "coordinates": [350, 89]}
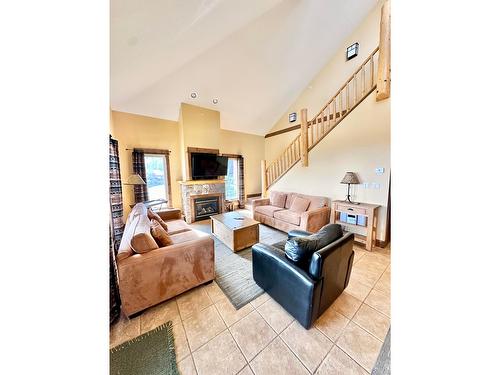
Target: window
{"type": "Point", "coordinates": [156, 176]}
{"type": "Point", "coordinates": [232, 180]}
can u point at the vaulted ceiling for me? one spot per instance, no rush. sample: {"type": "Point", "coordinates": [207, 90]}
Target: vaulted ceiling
{"type": "Point", "coordinates": [255, 57]}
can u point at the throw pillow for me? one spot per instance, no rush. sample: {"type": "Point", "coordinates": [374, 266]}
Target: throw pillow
{"type": "Point", "coordinates": [160, 234]}
{"type": "Point", "coordinates": [300, 250]}
{"type": "Point", "coordinates": [300, 205]}
{"type": "Point", "coordinates": [154, 216]}
{"type": "Point", "coordinates": [277, 199]}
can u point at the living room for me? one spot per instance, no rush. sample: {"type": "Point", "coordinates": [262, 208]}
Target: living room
{"type": "Point", "coordinates": [245, 190]}
{"type": "Point", "coordinates": [250, 167]}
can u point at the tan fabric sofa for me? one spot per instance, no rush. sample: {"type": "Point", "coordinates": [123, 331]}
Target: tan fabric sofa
{"type": "Point", "coordinates": [278, 211]}
{"type": "Point", "coordinates": [160, 273]}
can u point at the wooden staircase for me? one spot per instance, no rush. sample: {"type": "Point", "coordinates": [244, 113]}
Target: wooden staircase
{"type": "Point", "coordinates": [356, 89]}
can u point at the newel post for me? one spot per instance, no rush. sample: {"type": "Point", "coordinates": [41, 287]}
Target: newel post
{"type": "Point", "coordinates": [303, 138]}
{"type": "Point", "coordinates": [384, 55]}
{"type": "Point", "coordinates": [263, 178]}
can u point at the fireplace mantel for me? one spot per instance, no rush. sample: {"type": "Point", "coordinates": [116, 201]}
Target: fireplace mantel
{"type": "Point", "coordinates": [201, 182]}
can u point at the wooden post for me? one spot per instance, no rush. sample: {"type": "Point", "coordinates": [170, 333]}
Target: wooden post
{"type": "Point", "coordinates": [303, 138]}
{"type": "Point", "coordinates": [263, 178]}
{"type": "Point", "coordinates": [384, 55]}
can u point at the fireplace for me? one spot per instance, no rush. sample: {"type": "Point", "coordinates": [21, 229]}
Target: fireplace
{"type": "Point", "coordinates": [205, 205]}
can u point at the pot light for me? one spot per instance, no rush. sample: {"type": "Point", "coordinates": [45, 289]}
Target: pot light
{"type": "Point", "coordinates": [193, 95]}
{"type": "Point", "coordinates": [215, 100]}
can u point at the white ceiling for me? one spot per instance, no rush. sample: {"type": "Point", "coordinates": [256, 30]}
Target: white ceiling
{"type": "Point", "coordinates": [255, 56]}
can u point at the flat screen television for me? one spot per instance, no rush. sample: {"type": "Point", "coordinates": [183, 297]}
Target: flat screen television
{"type": "Point", "coordinates": [207, 166]}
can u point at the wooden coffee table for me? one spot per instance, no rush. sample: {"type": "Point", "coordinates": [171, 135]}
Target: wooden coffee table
{"type": "Point", "coordinates": [235, 230]}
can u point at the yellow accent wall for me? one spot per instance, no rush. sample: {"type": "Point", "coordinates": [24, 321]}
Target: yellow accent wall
{"type": "Point", "coordinates": [197, 127]}
{"type": "Point", "coordinates": [135, 131]}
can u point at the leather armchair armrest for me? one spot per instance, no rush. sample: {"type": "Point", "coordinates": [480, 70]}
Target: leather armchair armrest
{"type": "Point", "coordinates": [298, 233]}
{"type": "Point", "coordinates": [313, 220]}
{"type": "Point", "coordinates": [170, 214]}
{"type": "Point", "coordinates": [287, 284]}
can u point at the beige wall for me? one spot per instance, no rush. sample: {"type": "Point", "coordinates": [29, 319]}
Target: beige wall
{"type": "Point", "coordinates": [200, 127]}
{"type": "Point", "coordinates": [327, 81]}
{"type": "Point", "coordinates": [197, 127]}
{"type": "Point", "coordinates": [135, 131]}
{"type": "Point", "coordinates": [360, 143]}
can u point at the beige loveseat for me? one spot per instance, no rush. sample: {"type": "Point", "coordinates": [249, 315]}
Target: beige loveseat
{"type": "Point", "coordinates": [280, 211]}
{"type": "Point", "coordinates": [159, 273]}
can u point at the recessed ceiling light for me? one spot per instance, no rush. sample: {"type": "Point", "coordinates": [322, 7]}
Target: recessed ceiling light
{"type": "Point", "coordinates": [193, 95]}
{"type": "Point", "coordinates": [215, 100]}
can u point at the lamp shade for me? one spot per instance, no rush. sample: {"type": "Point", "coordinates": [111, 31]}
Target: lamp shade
{"type": "Point", "coordinates": [350, 178]}
{"type": "Point", "coordinates": [134, 179]}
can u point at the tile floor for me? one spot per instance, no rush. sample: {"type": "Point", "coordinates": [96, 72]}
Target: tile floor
{"type": "Point", "coordinates": [211, 337]}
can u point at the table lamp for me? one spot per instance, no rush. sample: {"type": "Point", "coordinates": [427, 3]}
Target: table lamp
{"type": "Point", "coordinates": [349, 178]}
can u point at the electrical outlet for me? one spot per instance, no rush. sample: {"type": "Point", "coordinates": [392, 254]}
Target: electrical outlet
{"type": "Point", "coordinates": [379, 171]}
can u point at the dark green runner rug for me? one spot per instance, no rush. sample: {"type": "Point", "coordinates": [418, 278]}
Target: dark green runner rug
{"type": "Point", "coordinates": [152, 353]}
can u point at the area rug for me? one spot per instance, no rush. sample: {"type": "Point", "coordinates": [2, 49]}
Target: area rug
{"type": "Point", "coordinates": [233, 271]}
{"type": "Point", "coordinates": [152, 353]}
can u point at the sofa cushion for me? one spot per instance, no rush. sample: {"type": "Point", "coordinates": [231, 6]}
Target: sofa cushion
{"type": "Point", "coordinates": [277, 199]}
{"type": "Point", "coordinates": [327, 234]}
{"type": "Point", "coordinates": [143, 241]}
{"type": "Point", "coordinates": [300, 250]}
{"type": "Point", "coordinates": [267, 210]}
{"type": "Point", "coordinates": [289, 216]}
{"type": "Point", "coordinates": [159, 234]}
{"type": "Point", "coordinates": [300, 204]}
{"type": "Point", "coordinates": [188, 236]}
{"type": "Point", "coordinates": [154, 216]}
{"type": "Point", "coordinates": [124, 251]}
{"type": "Point", "coordinates": [316, 202]}
{"type": "Point", "coordinates": [177, 226]}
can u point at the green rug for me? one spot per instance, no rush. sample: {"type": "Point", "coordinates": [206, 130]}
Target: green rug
{"type": "Point", "coordinates": [152, 353]}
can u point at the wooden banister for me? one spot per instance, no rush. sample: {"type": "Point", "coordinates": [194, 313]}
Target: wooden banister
{"type": "Point", "coordinates": [345, 100]}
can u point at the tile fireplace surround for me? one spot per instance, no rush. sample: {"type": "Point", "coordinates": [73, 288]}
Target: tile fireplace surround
{"type": "Point", "coordinates": [197, 188]}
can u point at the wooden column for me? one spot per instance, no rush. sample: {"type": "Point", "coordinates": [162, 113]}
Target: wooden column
{"type": "Point", "coordinates": [384, 55]}
{"type": "Point", "coordinates": [263, 178]}
{"type": "Point", "coordinates": [303, 138]}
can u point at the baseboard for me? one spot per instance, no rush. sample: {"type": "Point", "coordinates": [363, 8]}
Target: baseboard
{"type": "Point", "coordinates": [254, 195]}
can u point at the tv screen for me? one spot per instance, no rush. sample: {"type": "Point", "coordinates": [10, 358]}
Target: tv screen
{"type": "Point", "coordinates": [207, 166]}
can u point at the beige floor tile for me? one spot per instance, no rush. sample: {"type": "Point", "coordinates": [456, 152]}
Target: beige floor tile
{"type": "Point", "coordinates": [246, 371]}
{"type": "Point", "coordinates": [372, 321]}
{"type": "Point", "coordinates": [186, 366]}
{"type": "Point", "coordinates": [378, 259]}
{"type": "Point", "coordinates": [277, 359]}
{"type": "Point", "coordinates": [384, 283]}
{"type": "Point", "coordinates": [252, 334]}
{"type": "Point", "coordinates": [159, 314]}
{"type": "Point", "coordinates": [357, 289]}
{"type": "Point", "coordinates": [275, 315]}
{"type": "Point", "coordinates": [358, 254]}
{"type": "Point", "coordinates": [215, 292]}
{"type": "Point", "coordinates": [219, 356]}
{"type": "Point", "coordinates": [360, 345]}
{"type": "Point", "coordinates": [123, 330]}
{"type": "Point", "coordinates": [181, 344]}
{"type": "Point", "coordinates": [371, 263]}
{"type": "Point", "coordinates": [379, 301]}
{"type": "Point", "coordinates": [365, 275]}
{"type": "Point", "coordinates": [260, 300]}
{"type": "Point", "coordinates": [193, 301]}
{"type": "Point", "coordinates": [339, 363]}
{"type": "Point", "coordinates": [347, 305]}
{"type": "Point", "coordinates": [309, 345]}
{"type": "Point", "coordinates": [203, 326]}
{"type": "Point", "coordinates": [230, 314]}
{"type": "Point", "coordinates": [331, 323]}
